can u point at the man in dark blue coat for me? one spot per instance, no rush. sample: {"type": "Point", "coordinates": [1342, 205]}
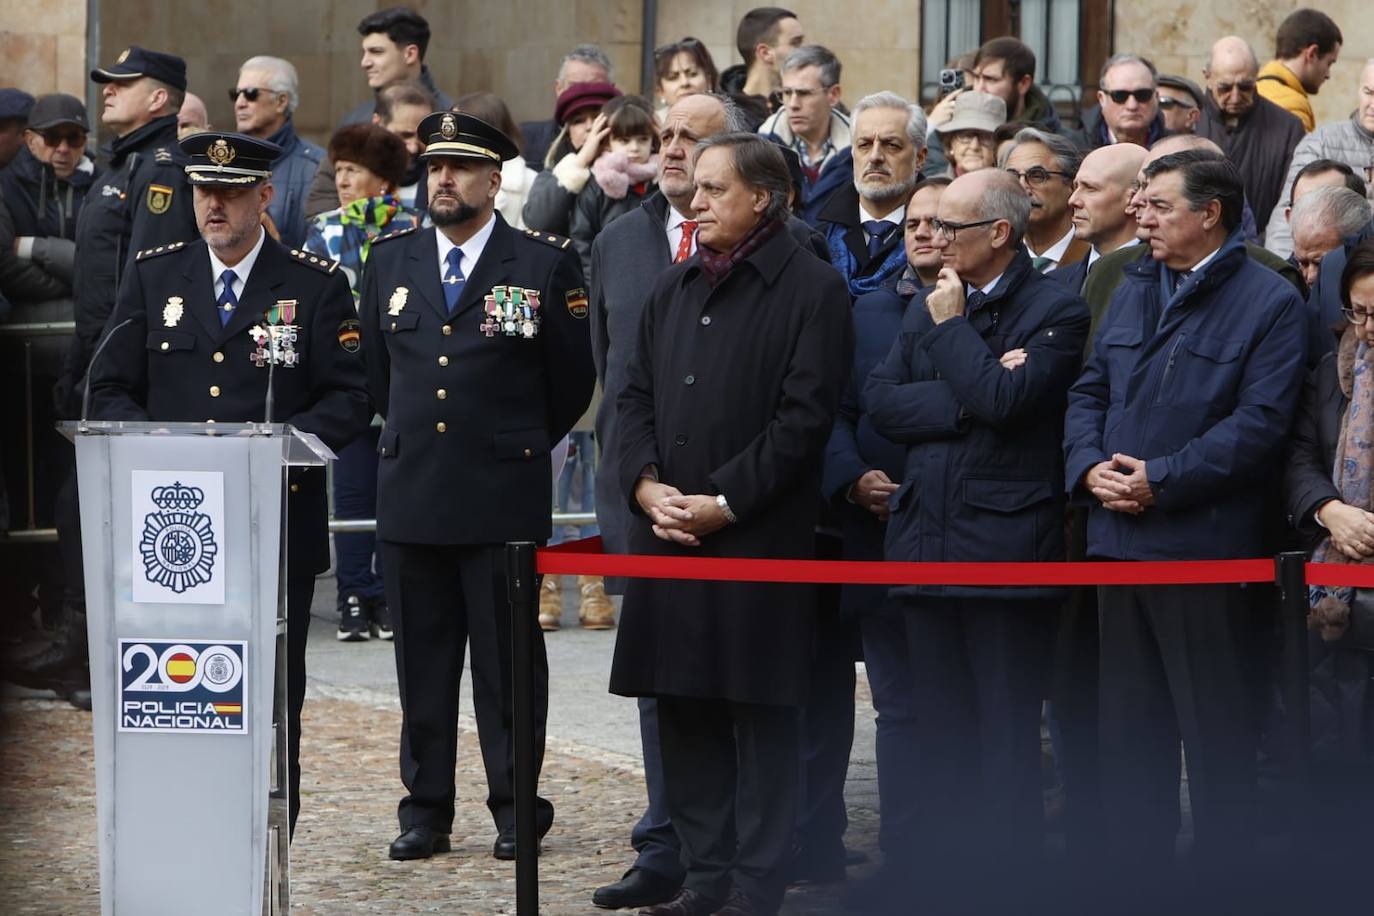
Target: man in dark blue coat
{"type": "Point", "coordinates": [1174, 435]}
{"type": "Point", "coordinates": [479, 360]}
{"type": "Point", "coordinates": [975, 388]}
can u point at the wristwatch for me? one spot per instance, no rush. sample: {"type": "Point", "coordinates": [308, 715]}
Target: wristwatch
{"type": "Point", "coordinates": [725, 509]}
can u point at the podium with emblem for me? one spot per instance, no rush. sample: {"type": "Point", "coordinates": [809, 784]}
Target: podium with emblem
{"type": "Point", "coordinates": [183, 538]}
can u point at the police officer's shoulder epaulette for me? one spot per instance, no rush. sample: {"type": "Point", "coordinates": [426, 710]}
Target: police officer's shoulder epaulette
{"type": "Point", "coordinates": [548, 238]}
{"type": "Point", "coordinates": [324, 265]}
{"type": "Point", "coordinates": [161, 249]}
{"type": "Point", "coordinates": [394, 235]}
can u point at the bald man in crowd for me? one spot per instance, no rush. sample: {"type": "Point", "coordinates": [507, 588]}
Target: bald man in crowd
{"type": "Point", "coordinates": [1101, 191]}
{"type": "Point", "coordinates": [1254, 133]}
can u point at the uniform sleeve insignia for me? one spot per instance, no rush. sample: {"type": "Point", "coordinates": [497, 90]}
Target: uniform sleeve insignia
{"type": "Point", "coordinates": [548, 238]}
{"type": "Point", "coordinates": [351, 335]}
{"type": "Point", "coordinates": [395, 235]}
{"type": "Point", "coordinates": [159, 199]}
{"type": "Point", "coordinates": [161, 249]}
{"type": "Point", "coordinates": [163, 156]}
{"type": "Point", "coordinates": [324, 265]}
{"type": "Point", "coordinates": [577, 302]}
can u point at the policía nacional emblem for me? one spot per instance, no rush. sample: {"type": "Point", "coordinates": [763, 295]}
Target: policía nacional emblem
{"type": "Point", "coordinates": [172, 311]}
{"type": "Point", "coordinates": [221, 153]}
{"type": "Point", "coordinates": [178, 543]}
{"type": "Point", "coordinates": [398, 301]}
{"type": "Point", "coordinates": [448, 126]}
{"type": "Point", "coordinates": [159, 199]}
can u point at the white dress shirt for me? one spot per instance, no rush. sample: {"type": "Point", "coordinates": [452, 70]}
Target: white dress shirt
{"type": "Point", "coordinates": [896, 217]}
{"type": "Point", "coordinates": [241, 270]}
{"type": "Point", "coordinates": [1055, 252]}
{"type": "Point", "coordinates": [472, 249]}
{"type": "Point", "coordinates": [675, 221]}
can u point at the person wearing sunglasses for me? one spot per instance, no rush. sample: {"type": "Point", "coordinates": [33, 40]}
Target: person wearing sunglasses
{"type": "Point", "coordinates": [1255, 134]}
{"type": "Point", "coordinates": [1180, 103]}
{"type": "Point", "coordinates": [1127, 105]}
{"type": "Point", "coordinates": [264, 99]}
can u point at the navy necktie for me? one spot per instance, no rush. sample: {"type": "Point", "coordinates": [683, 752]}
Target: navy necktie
{"type": "Point", "coordinates": [227, 300]}
{"type": "Point", "coordinates": [877, 230]}
{"type": "Point", "coordinates": [453, 279]}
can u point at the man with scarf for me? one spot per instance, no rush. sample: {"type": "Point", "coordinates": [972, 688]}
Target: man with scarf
{"type": "Point", "coordinates": [863, 221]}
{"type": "Point", "coordinates": [1174, 436]}
{"type": "Point", "coordinates": [264, 100]}
{"type": "Point", "coordinates": [752, 321]}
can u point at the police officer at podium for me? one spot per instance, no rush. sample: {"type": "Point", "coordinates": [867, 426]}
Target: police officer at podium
{"type": "Point", "coordinates": [200, 327]}
{"type": "Point", "coordinates": [478, 356]}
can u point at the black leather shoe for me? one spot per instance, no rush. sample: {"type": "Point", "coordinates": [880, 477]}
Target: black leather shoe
{"type": "Point", "coordinates": [639, 887]}
{"type": "Point", "coordinates": [686, 902]}
{"type": "Point", "coordinates": [505, 845]}
{"type": "Point", "coordinates": [419, 843]}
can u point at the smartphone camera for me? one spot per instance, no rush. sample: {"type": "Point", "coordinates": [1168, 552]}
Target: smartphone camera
{"type": "Point", "coordinates": [951, 80]}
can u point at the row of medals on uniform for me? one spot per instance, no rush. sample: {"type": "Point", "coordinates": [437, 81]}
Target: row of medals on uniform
{"type": "Point", "coordinates": [510, 310]}
{"type": "Point", "coordinates": [275, 341]}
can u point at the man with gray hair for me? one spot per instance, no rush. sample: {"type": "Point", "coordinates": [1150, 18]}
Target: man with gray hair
{"type": "Point", "coordinates": [975, 387]}
{"type": "Point", "coordinates": [1127, 105]}
{"type": "Point", "coordinates": [863, 221]}
{"type": "Point", "coordinates": [1321, 219]}
{"type": "Point", "coordinates": [809, 124]}
{"type": "Point", "coordinates": [753, 321]}
{"type": "Point", "coordinates": [264, 100]}
{"type": "Point", "coordinates": [585, 63]}
{"type": "Point", "coordinates": [1046, 165]}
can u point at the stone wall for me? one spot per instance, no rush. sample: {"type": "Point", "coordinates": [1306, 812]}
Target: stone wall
{"type": "Point", "coordinates": [43, 46]}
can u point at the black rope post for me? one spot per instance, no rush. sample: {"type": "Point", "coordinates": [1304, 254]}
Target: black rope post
{"type": "Point", "coordinates": [1291, 577]}
{"type": "Point", "coordinates": [524, 598]}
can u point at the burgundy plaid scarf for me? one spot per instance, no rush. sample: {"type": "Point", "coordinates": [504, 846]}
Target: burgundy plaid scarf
{"type": "Point", "coordinates": [718, 264]}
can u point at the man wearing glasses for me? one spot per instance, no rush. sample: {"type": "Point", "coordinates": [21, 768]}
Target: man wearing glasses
{"type": "Point", "coordinates": [975, 388]}
{"type": "Point", "coordinates": [1180, 103]}
{"type": "Point", "coordinates": [264, 99]}
{"type": "Point", "coordinates": [1254, 133]}
{"type": "Point", "coordinates": [1128, 105]}
{"type": "Point", "coordinates": [1046, 164]}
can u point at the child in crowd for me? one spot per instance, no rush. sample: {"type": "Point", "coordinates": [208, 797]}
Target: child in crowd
{"type": "Point", "coordinates": [623, 173]}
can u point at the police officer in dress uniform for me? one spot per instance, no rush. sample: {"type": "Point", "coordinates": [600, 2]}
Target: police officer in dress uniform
{"type": "Point", "coordinates": [478, 357]}
{"type": "Point", "coordinates": [208, 319]}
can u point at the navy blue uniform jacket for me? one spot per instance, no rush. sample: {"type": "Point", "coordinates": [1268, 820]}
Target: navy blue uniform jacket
{"type": "Point", "coordinates": [472, 412]}
{"type": "Point", "coordinates": [983, 479]}
{"type": "Point", "coordinates": [1205, 396]}
{"type": "Point", "coordinates": [176, 362]}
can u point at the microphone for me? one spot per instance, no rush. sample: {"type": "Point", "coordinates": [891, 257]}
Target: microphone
{"type": "Point", "coordinates": [86, 395]}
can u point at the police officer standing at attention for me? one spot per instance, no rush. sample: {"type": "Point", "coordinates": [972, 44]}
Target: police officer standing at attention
{"type": "Point", "coordinates": [479, 358]}
{"type": "Point", "coordinates": [208, 319]}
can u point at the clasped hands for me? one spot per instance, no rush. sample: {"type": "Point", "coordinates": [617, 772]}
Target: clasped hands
{"type": "Point", "coordinates": [1120, 484]}
{"type": "Point", "coordinates": [676, 517]}
{"type": "Point", "coordinates": [1352, 528]}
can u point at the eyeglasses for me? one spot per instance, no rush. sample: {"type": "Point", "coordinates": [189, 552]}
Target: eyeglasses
{"type": "Point", "coordinates": [248, 92]}
{"type": "Point", "coordinates": [1119, 96]}
{"type": "Point", "coordinates": [1245, 86]}
{"type": "Point", "coordinates": [1035, 176]}
{"type": "Point", "coordinates": [1356, 316]}
{"type": "Point", "coordinates": [1168, 102]}
{"type": "Point", "coordinates": [54, 138]}
{"type": "Point", "coordinates": [950, 230]}
{"type": "Point", "coordinates": [971, 137]}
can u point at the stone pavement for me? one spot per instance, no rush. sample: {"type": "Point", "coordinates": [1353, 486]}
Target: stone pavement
{"type": "Point", "coordinates": [48, 853]}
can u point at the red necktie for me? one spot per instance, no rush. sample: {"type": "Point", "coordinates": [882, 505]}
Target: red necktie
{"type": "Point", "coordinates": [684, 247]}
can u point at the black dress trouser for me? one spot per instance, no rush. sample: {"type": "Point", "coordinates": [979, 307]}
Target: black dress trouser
{"type": "Point", "coordinates": [443, 597]}
{"type": "Point", "coordinates": [731, 771]}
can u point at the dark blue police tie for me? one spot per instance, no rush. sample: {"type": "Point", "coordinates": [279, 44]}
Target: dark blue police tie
{"type": "Point", "coordinates": [227, 300]}
{"type": "Point", "coordinates": [877, 230]}
{"type": "Point", "coordinates": [453, 279]}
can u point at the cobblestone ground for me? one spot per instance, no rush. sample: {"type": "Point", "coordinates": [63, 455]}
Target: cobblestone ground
{"type": "Point", "coordinates": [48, 855]}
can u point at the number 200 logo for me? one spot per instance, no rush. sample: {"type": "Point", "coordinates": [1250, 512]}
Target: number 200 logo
{"type": "Point", "coordinates": [181, 668]}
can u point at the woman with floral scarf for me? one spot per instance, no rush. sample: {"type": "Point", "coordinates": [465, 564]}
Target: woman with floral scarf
{"type": "Point", "coordinates": [369, 164]}
{"type": "Point", "coordinates": [1329, 489]}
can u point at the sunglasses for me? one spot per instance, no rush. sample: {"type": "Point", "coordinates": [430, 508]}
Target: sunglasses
{"type": "Point", "coordinates": [250, 93]}
{"type": "Point", "coordinates": [1245, 86]}
{"type": "Point", "coordinates": [1168, 103]}
{"type": "Point", "coordinates": [55, 138]}
{"type": "Point", "coordinates": [1119, 96]}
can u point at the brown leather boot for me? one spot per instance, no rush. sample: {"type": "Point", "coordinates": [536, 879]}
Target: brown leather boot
{"type": "Point", "coordinates": [550, 604]}
{"type": "Point", "coordinates": [596, 612]}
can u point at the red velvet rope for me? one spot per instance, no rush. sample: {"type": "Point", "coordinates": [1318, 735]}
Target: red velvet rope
{"type": "Point", "coordinates": [587, 558]}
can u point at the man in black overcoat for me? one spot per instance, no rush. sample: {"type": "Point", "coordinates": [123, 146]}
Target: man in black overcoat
{"type": "Point", "coordinates": [196, 348]}
{"type": "Point", "coordinates": [743, 351]}
{"type": "Point", "coordinates": [478, 357]}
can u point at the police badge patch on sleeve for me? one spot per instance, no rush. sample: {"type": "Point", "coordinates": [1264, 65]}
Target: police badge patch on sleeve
{"type": "Point", "coordinates": [350, 335]}
{"type": "Point", "coordinates": [159, 198]}
{"type": "Point", "coordinates": [577, 302]}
